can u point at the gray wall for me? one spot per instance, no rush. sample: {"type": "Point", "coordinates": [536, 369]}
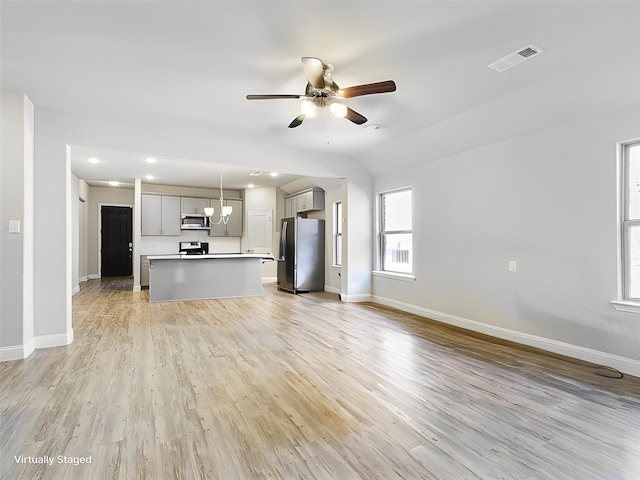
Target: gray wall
{"type": "Point", "coordinates": [546, 200]}
{"type": "Point", "coordinates": [16, 249]}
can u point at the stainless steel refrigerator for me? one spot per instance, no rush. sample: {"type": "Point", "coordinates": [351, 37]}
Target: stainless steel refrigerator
{"type": "Point", "coordinates": [301, 261]}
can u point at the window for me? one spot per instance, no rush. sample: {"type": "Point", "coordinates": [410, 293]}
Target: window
{"type": "Point", "coordinates": [631, 221]}
{"type": "Point", "coordinates": [337, 233]}
{"type": "Point", "coordinates": [396, 238]}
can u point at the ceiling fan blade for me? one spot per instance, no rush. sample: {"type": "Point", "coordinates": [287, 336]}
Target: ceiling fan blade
{"type": "Point", "coordinates": [297, 121]}
{"type": "Point", "coordinates": [270, 97]}
{"type": "Point", "coordinates": [355, 117]}
{"type": "Point", "coordinates": [368, 89]}
{"type": "Point", "coordinates": [314, 71]}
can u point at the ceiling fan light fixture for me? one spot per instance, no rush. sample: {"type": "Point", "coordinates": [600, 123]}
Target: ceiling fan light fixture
{"type": "Point", "coordinates": [321, 91]}
{"type": "Point", "coordinates": [308, 108]}
{"type": "Point", "coordinates": [338, 110]}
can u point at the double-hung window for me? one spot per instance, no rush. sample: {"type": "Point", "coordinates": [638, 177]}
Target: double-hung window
{"type": "Point", "coordinates": [396, 237]}
{"type": "Point", "coordinates": [630, 235]}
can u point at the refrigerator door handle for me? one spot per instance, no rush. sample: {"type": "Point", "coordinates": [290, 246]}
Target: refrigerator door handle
{"type": "Point", "coordinates": [283, 242]}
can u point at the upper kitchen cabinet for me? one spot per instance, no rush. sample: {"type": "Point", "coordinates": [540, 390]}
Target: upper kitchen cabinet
{"type": "Point", "coordinates": [170, 215]}
{"type": "Point", "coordinates": [304, 201]}
{"type": "Point", "coordinates": [234, 226]}
{"type": "Point", "coordinates": [160, 215]}
{"type": "Point", "coordinates": [290, 207]}
{"type": "Point", "coordinates": [151, 214]}
{"type": "Point", "coordinates": [191, 205]}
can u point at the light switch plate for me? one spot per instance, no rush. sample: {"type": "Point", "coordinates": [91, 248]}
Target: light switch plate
{"type": "Point", "coordinates": [14, 226]}
{"type": "Point", "coordinates": [512, 265]}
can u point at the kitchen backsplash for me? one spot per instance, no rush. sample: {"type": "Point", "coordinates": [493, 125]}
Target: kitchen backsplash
{"type": "Point", "coordinates": [157, 245]}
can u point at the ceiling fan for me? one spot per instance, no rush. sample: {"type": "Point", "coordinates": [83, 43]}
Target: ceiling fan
{"type": "Point", "coordinates": [323, 92]}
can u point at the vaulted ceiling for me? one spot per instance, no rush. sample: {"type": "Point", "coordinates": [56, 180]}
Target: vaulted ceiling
{"type": "Point", "coordinates": [192, 63]}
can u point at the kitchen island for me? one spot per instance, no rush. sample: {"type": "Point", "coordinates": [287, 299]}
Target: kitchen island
{"type": "Point", "coordinates": [198, 277]}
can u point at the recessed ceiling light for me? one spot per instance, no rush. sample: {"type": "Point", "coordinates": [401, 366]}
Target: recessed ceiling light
{"type": "Point", "coordinates": [150, 160]}
{"type": "Point", "coordinates": [93, 160]}
{"type": "Point", "coordinates": [274, 174]}
{"type": "Point", "coordinates": [149, 177]}
{"type": "Point", "coordinates": [114, 183]}
{"type": "Point", "coordinates": [251, 185]}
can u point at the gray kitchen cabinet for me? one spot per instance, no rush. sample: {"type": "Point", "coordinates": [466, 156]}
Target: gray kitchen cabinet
{"type": "Point", "coordinates": [201, 204]}
{"type": "Point", "coordinates": [234, 227]}
{"type": "Point", "coordinates": [160, 215]}
{"type": "Point", "coordinates": [187, 205]}
{"type": "Point", "coordinates": [191, 205]}
{"type": "Point", "coordinates": [290, 207]}
{"type": "Point", "coordinates": [151, 215]}
{"type": "Point", "coordinates": [235, 223]}
{"type": "Point", "coordinates": [170, 215]}
{"type": "Point", "coordinates": [304, 201]}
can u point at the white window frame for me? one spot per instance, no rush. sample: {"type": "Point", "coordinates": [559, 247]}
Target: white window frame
{"type": "Point", "coordinates": [409, 276]}
{"type": "Point", "coordinates": [624, 302]}
{"type": "Point", "coordinates": [337, 233]}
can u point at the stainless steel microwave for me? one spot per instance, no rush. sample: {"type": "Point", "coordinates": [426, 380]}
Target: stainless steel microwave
{"type": "Point", "coordinates": [194, 221]}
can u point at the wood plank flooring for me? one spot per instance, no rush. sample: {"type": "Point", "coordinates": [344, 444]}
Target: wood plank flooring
{"type": "Point", "coordinates": [303, 387]}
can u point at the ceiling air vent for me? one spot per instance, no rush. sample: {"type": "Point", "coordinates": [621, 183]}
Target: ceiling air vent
{"type": "Point", "coordinates": [255, 173]}
{"type": "Point", "coordinates": [513, 59]}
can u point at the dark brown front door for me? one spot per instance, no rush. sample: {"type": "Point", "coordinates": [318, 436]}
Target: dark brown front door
{"type": "Point", "coordinates": [117, 246]}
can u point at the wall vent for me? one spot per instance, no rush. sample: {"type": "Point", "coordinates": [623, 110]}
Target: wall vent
{"type": "Point", "coordinates": [513, 59]}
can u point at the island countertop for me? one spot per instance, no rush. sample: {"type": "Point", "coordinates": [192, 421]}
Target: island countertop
{"type": "Point", "coordinates": [179, 256]}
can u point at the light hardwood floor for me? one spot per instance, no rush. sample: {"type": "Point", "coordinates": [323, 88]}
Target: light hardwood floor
{"type": "Point", "coordinates": [304, 386]}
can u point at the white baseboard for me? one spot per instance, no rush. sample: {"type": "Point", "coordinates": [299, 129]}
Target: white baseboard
{"type": "Point", "coordinates": [623, 364]}
{"type": "Point", "coordinates": [19, 352]}
{"type": "Point", "coordinates": [330, 289]}
{"type": "Point", "coordinates": [137, 288]}
{"type": "Point", "coordinates": [13, 352]}
{"type": "Point", "coordinates": [76, 290]}
{"type": "Point", "coordinates": [93, 276]}
{"type": "Point", "coordinates": [84, 279]}
{"type": "Point", "coordinates": [269, 279]}
{"type": "Point", "coordinates": [29, 347]}
{"type": "Point", "coordinates": [56, 340]}
{"type": "Point", "coordinates": [364, 297]}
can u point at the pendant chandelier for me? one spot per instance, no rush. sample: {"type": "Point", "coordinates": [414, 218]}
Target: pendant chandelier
{"type": "Point", "coordinates": [225, 210]}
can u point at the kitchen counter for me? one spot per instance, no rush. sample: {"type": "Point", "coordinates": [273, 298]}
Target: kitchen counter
{"type": "Point", "coordinates": [179, 256]}
{"type": "Point", "coordinates": [197, 277]}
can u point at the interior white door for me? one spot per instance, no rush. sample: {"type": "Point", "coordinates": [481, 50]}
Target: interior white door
{"type": "Point", "coordinates": [260, 230]}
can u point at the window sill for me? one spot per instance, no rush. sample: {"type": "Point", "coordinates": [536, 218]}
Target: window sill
{"type": "Point", "coordinates": [626, 306]}
{"type": "Point", "coordinates": [405, 277]}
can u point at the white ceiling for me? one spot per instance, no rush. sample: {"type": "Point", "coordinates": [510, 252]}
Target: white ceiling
{"type": "Point", "coordinates": [192, 63]}
{"type": "Point", "coordinates": [124, 167]}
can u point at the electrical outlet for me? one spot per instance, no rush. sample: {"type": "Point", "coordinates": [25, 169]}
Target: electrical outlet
{"type": "Point", "coordinates": [512, 265]}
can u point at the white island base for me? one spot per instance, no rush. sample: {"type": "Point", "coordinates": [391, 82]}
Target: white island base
{"type": "Point", "coordinates": [198, 277]}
